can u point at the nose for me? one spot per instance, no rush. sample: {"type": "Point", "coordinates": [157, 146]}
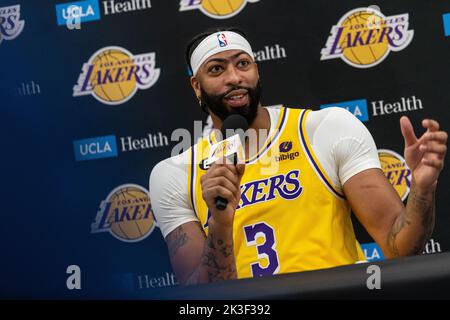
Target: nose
{"type": "Point", "coordinates": [232, 76]}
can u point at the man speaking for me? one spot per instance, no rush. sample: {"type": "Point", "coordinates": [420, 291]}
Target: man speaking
{"type": "Point", "coordinates": [296, 217]}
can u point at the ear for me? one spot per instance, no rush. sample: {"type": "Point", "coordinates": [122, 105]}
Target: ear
{"type": "Point", "coordinates": [195, 84]}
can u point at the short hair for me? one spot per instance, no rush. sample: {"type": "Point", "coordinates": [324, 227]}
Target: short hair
{"type": "Point", "coordinates": [195, 41]}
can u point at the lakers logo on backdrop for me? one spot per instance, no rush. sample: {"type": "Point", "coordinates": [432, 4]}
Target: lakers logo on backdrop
{"type": "Point", "coordinates": [113, 75]}
{"type": "Point", "coordinates": [363, 37]}
{"type": "Point", "coordinates": [217, 9]}
{"type": "Point", "coordinates": [126, 213]}
{"type": "Point", "coordinates": [396, 170]}
{"type": "Point", "coordinates": [10, 24]}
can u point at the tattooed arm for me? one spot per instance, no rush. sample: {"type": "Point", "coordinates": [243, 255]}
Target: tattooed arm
{"type": "Point", "coordinates": [425, 157]}
{"type": "Point", "coordinates": [414, 225]}
{"type": "Point", "coordinates": [200, 259]}
{"type": "Point", "coordinates": [398, 230]}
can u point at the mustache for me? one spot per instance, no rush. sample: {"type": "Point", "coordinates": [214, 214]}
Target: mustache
{"type": "Point", "coordinates": [215, 103]}
{"type": "Point", "coordinates": [223, 95]}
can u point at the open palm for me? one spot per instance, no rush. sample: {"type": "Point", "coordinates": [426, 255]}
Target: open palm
{"type": "Point", "coordinates": [424, 155]}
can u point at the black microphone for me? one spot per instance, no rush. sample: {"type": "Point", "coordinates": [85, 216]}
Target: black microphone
{"type": "Point", "coordinates": [232, 123]}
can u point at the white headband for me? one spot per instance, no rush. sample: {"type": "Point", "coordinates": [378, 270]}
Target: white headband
{"type": "Point", "coordinates": [218, 42]}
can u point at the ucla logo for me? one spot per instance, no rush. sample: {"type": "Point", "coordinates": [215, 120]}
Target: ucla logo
{"type": "Point", "coordinates": [77, 12]}
{"type": "Point", "coordinates": [113, 75]}
{"type": "Point", "coordinates": [216, 9]}
{"type": "Point", "coordinates": [446, 18]}
{"type": "Point", "coordinates": [126, 214]}
{"type": "Point", "coordinates": [372, 251]}
{"type": "Point", "coordinates": [357, 107]}
{"type": "Point", "coordinates": [396, 171]}
{"type": "Point", "coordinates": [364, 37]}
{"type": "Point", "coordinates": [95, 148]}
{"type": "Point", "coordinates": [10, 24]}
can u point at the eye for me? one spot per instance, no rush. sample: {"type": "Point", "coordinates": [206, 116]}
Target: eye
{"type": "Point", "coordinates": [215, 69]}
{"type": "Point", "coordinates": [243, 63]}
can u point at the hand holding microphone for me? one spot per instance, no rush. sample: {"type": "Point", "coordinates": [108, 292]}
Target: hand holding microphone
{"type": "Point", "coordinates": [221, 183]}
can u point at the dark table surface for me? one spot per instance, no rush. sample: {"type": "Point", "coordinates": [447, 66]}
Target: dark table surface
{"type": "Point", "coordinates": [418, 277]}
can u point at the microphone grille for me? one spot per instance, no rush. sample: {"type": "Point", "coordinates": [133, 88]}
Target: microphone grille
{"type": "Point", "coordinates": [234, 122]}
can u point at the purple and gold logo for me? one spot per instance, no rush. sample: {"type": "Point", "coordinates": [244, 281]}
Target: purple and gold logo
{"type": "Point", "coordinates": [286, 146]}
{"type": "Point", "coordinates": [10, 24]}
{"type": "Point", "coordinates": [284, 153]}
{"type": "Point", "coordinates": [113, 75]}
{"type": "Point", "coordinates": [126, 214]}
{"type": "Point", "coordinates": [396, 171]}
{"type": "Point", "coordinates": [363, 37]}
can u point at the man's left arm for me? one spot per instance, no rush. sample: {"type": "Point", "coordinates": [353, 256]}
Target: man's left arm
{"type": "Point", "coordinates": [397, 229]}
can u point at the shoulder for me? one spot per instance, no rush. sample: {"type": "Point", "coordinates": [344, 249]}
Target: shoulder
{"type": "Point", "coordinates": [334, 116]}
{"type": "Point", "coordinates": [332, 111]}
{"type": "Point", "coordinates": [336, 126]}
{"type": "Point", "coordinates": [178, 163]}
{"type": "Point", "coordinates": [342, 143]}
{"type": "Point", "coordinates": [335, 123]}
{"type": "Point", "coordinates": [168, 190]}
{"type": "Point", "coordinates": [169, 173]}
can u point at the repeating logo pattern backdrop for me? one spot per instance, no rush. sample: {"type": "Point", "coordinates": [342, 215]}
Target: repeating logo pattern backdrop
{"type": "Point", "coordinates": [91, 92]}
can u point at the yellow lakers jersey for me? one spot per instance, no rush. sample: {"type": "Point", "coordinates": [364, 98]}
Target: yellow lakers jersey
{"type": "Point", "coordinates": [290, 217]}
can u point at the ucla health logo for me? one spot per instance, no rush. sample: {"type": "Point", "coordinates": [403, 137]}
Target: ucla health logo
{"type": "Point", "coordinates": [77, 12]}
{"type": "Point", "coordinates": [113, 75]}
{"type": "Point", "coordinates": [126, 214]}
{"type": "Point", "coordinates": [396, 171]}
{"type": "Point", "coordinates": [95, 148]}
{"type": "Point", "coordinates": [216, 9]}
{"type": "Point", "coordinates": [363, 37]}
{"type": "Point", "coordinates": [446, 18]}
{"type": "Point", "coordinates": [372, 251]}
{"type": "Point", "coordinates": [10, 24]}
{"type": "Point", "coordinates": [357, 107]}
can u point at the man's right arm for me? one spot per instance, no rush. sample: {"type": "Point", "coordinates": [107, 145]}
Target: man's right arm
{"type": "Point", "coordinates": [196, 258]}
{"type": "Point", "coordinates": [199, 259]}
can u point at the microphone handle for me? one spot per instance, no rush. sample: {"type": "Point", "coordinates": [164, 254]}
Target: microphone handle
{"type": "Point", "coordinates": [221, 203]}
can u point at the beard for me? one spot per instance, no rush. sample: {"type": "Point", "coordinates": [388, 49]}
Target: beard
{"type": "Point", "coordinates": [216, 105]}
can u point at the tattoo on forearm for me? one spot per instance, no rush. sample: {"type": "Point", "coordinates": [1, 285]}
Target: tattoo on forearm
{"type": "Point", "coordinates": [425, 209]}
{"type": "Point", "coordinates": [175, 240]}
{"type": "Point", "coordinates": [217, 263]}
{"type": "Point", "coordinates": [398, 226]}
{"type": "Point", "coordinates": [226, 250]}
{"type": "Point", "coordinates": [195, 275]}
{"type": "Point", "coordinates": [218, 259]}
{"type": "Point", "coordinates": [417, 207]}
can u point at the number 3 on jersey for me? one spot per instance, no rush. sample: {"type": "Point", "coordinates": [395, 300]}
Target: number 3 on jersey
{"type": "Point", "coordinates": [266, 249]}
